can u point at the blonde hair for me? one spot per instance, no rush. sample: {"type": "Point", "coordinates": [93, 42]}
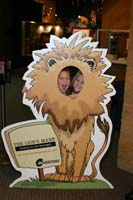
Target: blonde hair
{"type": "Point", "coordinates": [76, 76]}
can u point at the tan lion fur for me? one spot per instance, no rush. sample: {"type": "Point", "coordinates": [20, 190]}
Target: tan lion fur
{"type": "Point", "coordinates": [67, 112]}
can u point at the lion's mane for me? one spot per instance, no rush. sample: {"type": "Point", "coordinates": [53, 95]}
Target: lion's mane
{"type": "Point", "coordinates": [69, 113]}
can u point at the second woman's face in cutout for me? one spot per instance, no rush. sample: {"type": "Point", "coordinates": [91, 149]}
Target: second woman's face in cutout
{"type": "Point", "coordinates": [78, 83]}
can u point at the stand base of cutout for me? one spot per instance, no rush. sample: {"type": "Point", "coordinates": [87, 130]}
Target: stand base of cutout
{"type": "Point", "coordinates": [94, 184]}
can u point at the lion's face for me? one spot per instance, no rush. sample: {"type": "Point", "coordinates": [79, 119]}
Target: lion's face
{"type": "Point", "coordinates": [44, 93]}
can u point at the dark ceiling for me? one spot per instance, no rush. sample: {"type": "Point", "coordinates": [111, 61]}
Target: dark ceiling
{"type": "Point", "coordinates": [31, 9]}
{"type": "Point", "coordinates": [73, 8]}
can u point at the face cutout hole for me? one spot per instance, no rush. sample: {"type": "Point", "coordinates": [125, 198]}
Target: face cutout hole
{"type": "Point", "coordinates": [70, 81]}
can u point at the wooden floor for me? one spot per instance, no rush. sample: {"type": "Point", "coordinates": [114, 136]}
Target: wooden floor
{"type": "Point", "coordinates": [121, 180]}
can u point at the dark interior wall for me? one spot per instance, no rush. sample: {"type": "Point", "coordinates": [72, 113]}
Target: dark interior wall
{"type": "Point", "coordinates": [6, 29]}
{"type": "Point", "coordinates": [116, 14]}
{"type": "Point", "coordinates": [25, 10]}
{"type": "Point", "coordinates": [12, 12]}
{"type": "Point", "coordinates": [29, 10]}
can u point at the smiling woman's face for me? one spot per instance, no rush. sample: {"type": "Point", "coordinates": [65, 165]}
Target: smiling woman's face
{"type": "Point", "coordinates": [78, 83]}
{"type": "Point", "coordinates": [64, 81]}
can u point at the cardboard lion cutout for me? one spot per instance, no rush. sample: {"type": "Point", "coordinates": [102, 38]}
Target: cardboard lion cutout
{"type": "Point", "coordinates": [81, 124]}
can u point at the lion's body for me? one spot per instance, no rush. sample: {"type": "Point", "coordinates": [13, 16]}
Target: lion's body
{"type": "Point", "coordinates": [76, 149]}
{"type": "Point", "coordinates": [72, 119]}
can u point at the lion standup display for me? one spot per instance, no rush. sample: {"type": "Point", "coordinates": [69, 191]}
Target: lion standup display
{"type": "Point", "coordinates": [75, 121]}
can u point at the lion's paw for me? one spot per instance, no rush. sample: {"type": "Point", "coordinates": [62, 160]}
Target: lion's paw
{"type": "Point", "coordinates": [56, 177]}
{"type": "Point", "coordinates": [84, 178]}
{"type": "Point", "coordinates": [75, 179]}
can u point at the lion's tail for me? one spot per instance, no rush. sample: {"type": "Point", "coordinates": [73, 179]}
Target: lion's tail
{"type": "Point", "coordinates": [104, 126]}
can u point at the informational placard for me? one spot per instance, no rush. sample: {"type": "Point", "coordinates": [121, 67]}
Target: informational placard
{"type": "Point", "coordinates": [34, 145]}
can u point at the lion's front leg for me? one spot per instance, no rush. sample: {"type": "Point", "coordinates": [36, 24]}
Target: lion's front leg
{"type": "Point", "coordinates": [82, 156]}
{"type": "Point", "coordinates": [60, 174]}
{"type": "Point", "coordinates": [89, 151]}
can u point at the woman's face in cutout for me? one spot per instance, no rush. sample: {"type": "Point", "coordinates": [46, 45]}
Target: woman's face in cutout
{"type": "Point", "coordinates": [78, 83]}
{"type": "Point", "coordinates": [64, 81]}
